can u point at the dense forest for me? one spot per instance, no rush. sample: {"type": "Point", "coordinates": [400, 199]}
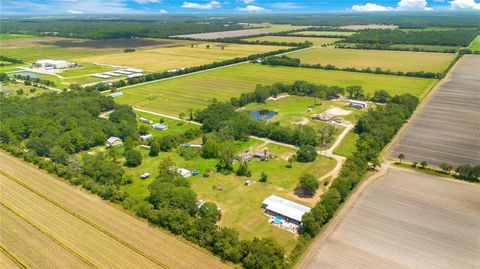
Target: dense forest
{"type": "Point", "coordinates": [104, 29]}
{"type": "Point", "coordinates": [460, 37]}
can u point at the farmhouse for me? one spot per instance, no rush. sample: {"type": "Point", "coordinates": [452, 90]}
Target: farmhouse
{"type": "Point", "coordinates": [184, 172]}
{"type": "Point", "coordinates": [53, 64]}
{"type": "Point", "coordinates": [113, 142]}
{"type": "Point", "coordinates": [358, 104]}
{"type": "Point", "coordinates": [160, 126]}
{"type": "Point", "coordinates": [146, 137]}
{"type": "Point", "coordinates": [290, 211]}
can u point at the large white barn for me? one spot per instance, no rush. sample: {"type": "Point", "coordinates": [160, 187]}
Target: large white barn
{"type": "Point", "coordinates": [53, 64]}
{"type": "Point", "coordinates": [278, 206]}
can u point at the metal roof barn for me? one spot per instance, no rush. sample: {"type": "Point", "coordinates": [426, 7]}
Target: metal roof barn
{"type": "Point", "coordinates": [285, 207]}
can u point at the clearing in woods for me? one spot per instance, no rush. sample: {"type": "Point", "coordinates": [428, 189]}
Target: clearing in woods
{"type": "Point", "coordinates": [41, 214]}
{"type": "Point", "coordinates": [194, 91]}
{"type": "Point", "coordinates": [323, 33]}
{"type": "Point", "coordinates": [293, 39]}
{"type": "Point", "coordinates": [403, 220]}
{"type": "Point", "coordinates": [394, 60]}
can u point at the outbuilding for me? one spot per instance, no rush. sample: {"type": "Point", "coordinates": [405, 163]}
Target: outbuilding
{"type": "Point", "coordinates": [146, 137]}
{"type": "Point", "coordinates": [160, 126]}
{"type": "Point", "coordinates": [113, 141]}
{"type": "Point", "coordinates": [358, 104]}
{"type": "Point", "coordinates": [53, 64]}
{"type": "Point", "coordinates": [184, 172]}
{"type": "Point", "coordinates": [144, 120]}
{"type": "Point", "coordinates": [290, 211]}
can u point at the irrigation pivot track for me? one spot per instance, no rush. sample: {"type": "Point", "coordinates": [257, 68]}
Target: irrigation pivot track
{"type": "Point", "coordinates": [47, 223]}
{"type": "Point", "coordinates": [447, 127]}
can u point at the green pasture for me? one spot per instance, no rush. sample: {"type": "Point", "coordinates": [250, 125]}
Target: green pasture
{"type": "Point", "coordinates": [14, 36]}
{"type": "Point", "coordinates": [177, 95]}
{"type": "Point", "coordinates": [475, 45]}
{"type": "Point", "coordinates": [438, 48]}
{"type": "Point", "coordinates": [33, 53]}
{"type": "Point", "coordinates": [85, 69]}
{"type": "Point", "coordinates": [348, 145]}
{"type": "Point", "coordinates": [175, 127]}
{"type": "Point", "coordinates": [393, 60]}
{"type": "Point", "coordinates": [293, 39]}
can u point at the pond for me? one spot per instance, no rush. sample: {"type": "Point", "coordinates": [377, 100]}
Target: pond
{"type": "Point", "coordinates": [26, 73]}
{"type": "Point", "coordinates": [262, 115]}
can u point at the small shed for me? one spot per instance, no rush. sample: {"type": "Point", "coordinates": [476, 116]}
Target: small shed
{"type": "Point", "coordinates": [195, 146]}
{"type": "Point", "coordinates": [144, 120]}
{"type": "Point", "coordinates": [113, 142]}
{"type": "Point", "coordinates": [147, 147]}
{"type": "Point", "coordinates": [116, 94]}
{"type": "Point", "coordinates": [184, 172]}
{"type": "Point", "coordinates": [358, 104]}
{"type": "Point", "coordinates": [146, 137]}
{"type": "Point", "coordinates": [144, 175]}
{"type": "Point", "coordinates": [160, 126]}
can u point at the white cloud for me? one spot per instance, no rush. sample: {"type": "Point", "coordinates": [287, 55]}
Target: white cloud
{"type": "Point", "coordinates": [209, 5]}
{"type": "Point", "coordinates": [285, 5]}
{"type": "Point", "coordinates": [74, 11]}
{"type": "Point", "coordinates": [147, 1]}
{"type": "Point", "coordinates": [369, 7]}
{"type": "Point", "coordinates": [163, 11]}
{"type": "Point", "coordinates": [250, 8]}
{"type": "Point", "coordinates": [247, 1]}
{"type": "Point", "coordinates": [464, 4]}
{"type": "Point", "coordinates": [411, 5]}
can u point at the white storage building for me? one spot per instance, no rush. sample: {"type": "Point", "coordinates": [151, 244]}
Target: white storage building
{"type": "Point", "coordinates": [293, 212]}
{"type": "Point", "coordinates": [53, 64]}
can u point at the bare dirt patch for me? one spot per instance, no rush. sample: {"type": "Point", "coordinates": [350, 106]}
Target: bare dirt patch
{"type": "Point", "coordinates": [407, 220]}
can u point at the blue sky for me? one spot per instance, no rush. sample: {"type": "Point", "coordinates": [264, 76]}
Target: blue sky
{"type": "Point", "coordinates": [228, 6]}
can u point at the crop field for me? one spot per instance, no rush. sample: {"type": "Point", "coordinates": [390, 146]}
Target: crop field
{"type": "Point", "coordinates": [475, 45]}
{"type": "Point", "coordinates": [323, 33]}
{"type": "Point", "coordinates": [43, 215]}
{"type": "Point", "coordinates": [14, 36]}
{"type": "Point", "coordinates": [406, 220]}
{"type": "Point", "coordinates": [194, 91]}
{"type": "Point", "coordinates": [266, 28]}
{"type": "Point", "coordinates": [162, 59]}
{"type": "Point", "coordinates": [425, 47]}
{"type": "Point", "coordinates": [294, 39]}
{"type": "Point", "coordinates": [393, 60]}
{"type": "Point", "coordinates": [356, 27]}
{"type": "Point", "coordinates": [434, 29]}
{"type": "Point", "coordinates": [241, 205]}
{"type": "Point", "coordinates": [446, 129]}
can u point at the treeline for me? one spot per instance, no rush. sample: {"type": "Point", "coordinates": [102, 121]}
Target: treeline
{"type": "Point", "coordinates": [376, 128]}
{"type": "Point", "coordinates": [295, 62]}
{"type": "Point", "coordinates": [50, 129]}
{"type": "Point", "coordinates": [30, 81]}
{"type": "Point", "coordinates": [318, 29]}
{"type": "Point", "coordinates": [161, 75]}
{"type": "Point", "coordinates": [172, 205]}
{"type": "Point", "coordinates": [107, 29]}
{"type": "Point", "coordinates": [241, 40]}
{"type": "Point", "coordinates": [9, 59]}
{"type": "Point", "coordinates": [388, 47]}
{"type": "Point", "coordinates": [460, 37]}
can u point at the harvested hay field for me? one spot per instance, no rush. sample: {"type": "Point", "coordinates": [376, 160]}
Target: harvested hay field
{"type": "Point", "coordinates": [406, 220]}
{"type": "Point", "coordinates": [446, 128]}
{"type": "Point", "coordinates": [162, 59]}
{"type": "Point", "coordinates": [394, 60]}
{"type": "Point", "coordinates": [323, 33]}
{"type": "Point", "coordinates": [356, 27]}
{"type": "Point", "coordinates": [260, 29]}
{"type": "Point", "coordinates": [293, 39]}
{"type": "Point", "coordinates": [195, 90]}
{"type": "Point", "coordinates": [55, 216]}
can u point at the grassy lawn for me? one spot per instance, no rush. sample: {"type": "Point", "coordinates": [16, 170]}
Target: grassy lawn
{"type": "Point", "coordinates": [324, 33]}
{"type": "Point", "coordinates": [347, 146]}
{"type": "Point", "coordinates": [33, 53]}
{"type": "Point", "coordinates": [162, 59]}
{"type": "Point", "coordinates": [393, 60]}
{"type": "Point", "coordinates": [175, 127]}
{"type": "Point", "coordinates": [11, 88]}
{"type": "Point", "coordinates": [10, 68]}
{"type": "Point", "coordinates": [241, 205]}
{"type": "Point", "coordinates": [85, 69]}
{"type": "Point", "coordinates": [425, 47]}
{"type": "Point", "coordinates": [294, 39]}
{"type": "Point", "coordinates": [475, 45]}
{"type": "Point", "coordinates": [194, 91]}
{"type": "Point", "coordinates": [14, 36]}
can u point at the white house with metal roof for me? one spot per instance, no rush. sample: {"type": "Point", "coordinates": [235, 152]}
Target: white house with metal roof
{"type": "Point", "coordinates": [278, 206]}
